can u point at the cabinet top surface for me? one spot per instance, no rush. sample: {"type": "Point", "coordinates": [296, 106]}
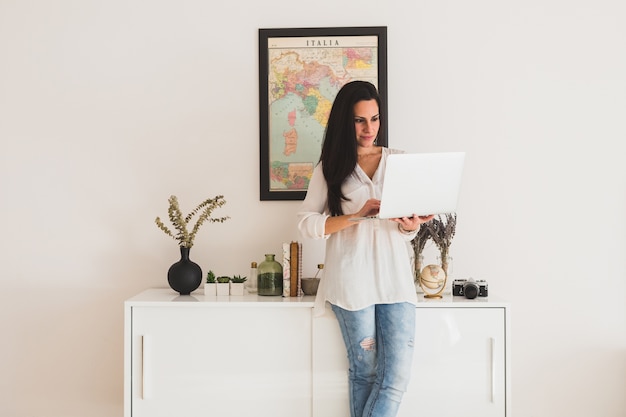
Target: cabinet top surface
{"type": "Point", "coordinates": [168, 297]}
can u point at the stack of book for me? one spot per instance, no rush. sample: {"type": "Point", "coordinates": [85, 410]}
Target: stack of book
{"type": "Point", "coordinates": [292, 269]}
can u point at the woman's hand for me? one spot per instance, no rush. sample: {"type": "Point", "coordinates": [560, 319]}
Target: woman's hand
{"type": "Point", "coordinates": [370, 208]}
{"type": "Point", "coordinates": [337, 223]}
{"type": "Point", "coordinates": [411, 224]}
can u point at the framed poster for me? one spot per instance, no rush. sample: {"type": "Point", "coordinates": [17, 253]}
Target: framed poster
{"type": "Point", "coordinates": [300, 73]}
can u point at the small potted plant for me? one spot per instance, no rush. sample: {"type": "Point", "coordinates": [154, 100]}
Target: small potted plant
{"type": "Point", "coordinates": [210, 286]}
{"type": "Point", "coordinates": [236, 285]}
{"type": "Point", "coordinates": [185, 275]}
{"type": "Point", "coordinates": [223, 285]}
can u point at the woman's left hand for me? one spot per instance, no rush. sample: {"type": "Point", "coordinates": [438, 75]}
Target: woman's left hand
{"type": "Point", "coordinates": [410, 224]}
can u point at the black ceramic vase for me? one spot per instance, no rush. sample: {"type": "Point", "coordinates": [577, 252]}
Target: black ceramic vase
{"type": "Point", "coordinates": [184, 276]}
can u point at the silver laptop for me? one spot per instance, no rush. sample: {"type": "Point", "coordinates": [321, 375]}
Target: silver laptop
{"type": "Point", "coordinates": [421, 183]}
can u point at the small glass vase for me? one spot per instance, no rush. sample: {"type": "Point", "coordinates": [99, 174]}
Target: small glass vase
{"type": "Point", "coordinates": [252, 281]}
{"type": "Point", "coordinates": [448, 268]}
{"type": "Point", "coordinates": [417, 264]}
{"type": "Point", "coordinates": [270, 276]}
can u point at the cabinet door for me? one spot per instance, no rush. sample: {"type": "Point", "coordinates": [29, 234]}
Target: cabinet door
{"type": "Point", "coordinates": [220, 361]}
{"type": "Point", "coordinates": [459, 364]}
{"type": "Point", "coordinates": [330, 368]}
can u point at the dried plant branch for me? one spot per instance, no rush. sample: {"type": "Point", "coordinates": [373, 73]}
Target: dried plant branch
{"type": "Point", "coordinates": [442, 232]}
{"type": "Point", "coordinates": [420, 239]}
{"type": "Point", "coordinates": [418, 243]}
{"type": "Point", "coordinates": [184, 237]}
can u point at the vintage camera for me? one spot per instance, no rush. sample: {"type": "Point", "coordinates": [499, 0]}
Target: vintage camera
{"type": "Point", "coordinates": [469, 288]}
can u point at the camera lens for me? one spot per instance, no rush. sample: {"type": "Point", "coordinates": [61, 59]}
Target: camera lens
{"type": "Point", "coordinates": [470, 289]}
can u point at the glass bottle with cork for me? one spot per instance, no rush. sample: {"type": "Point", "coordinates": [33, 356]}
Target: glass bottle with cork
{"type": "Point", "coordinates": [270, 276]}
{"type": "Point", "coordinates": [252, 282]}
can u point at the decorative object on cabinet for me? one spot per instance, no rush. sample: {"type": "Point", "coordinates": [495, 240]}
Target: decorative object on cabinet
{"type": "Point", "coordinates": [210, 286]}
{"type": "Point", "coordinates": [449, 265]}
{"type": "Point", "coordinates": [270, 276]}
{"type": "Point", "coordinates": [433, 277]}
{"type": "Point", "coordinates": [310, 285]}
{"type": "Point", "coordinates": [251, 284]}
{"type": "Point", "coordinates": [286, 269]}
{"type": "Point", "coordinates": [183, 275]}
{"type": "Point", "coordinates": [236, 285]}
{"type": "Point", "coordinates": [418, 243]}
{"type": "Point", "coordinates": [442, 232]}
{"type": "Point", "coordinates": [223, 285]}
{"type": "Point", "coordinates": [470, 288]}
{"type": "Point", "coordinates": [292, 269]}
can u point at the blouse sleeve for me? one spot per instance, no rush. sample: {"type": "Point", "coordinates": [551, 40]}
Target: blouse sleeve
{"type": "Point", "coordinates": [408, 236]}
{"type": "Point", "coordinates": [313, 211]}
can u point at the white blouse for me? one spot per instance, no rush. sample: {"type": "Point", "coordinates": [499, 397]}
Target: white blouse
{"type": "Point", "coordinates": [368, 263]}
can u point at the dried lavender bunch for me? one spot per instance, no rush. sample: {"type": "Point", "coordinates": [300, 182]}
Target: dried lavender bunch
{"type": "Point", "coordinates": [418, 243]}
{"type": "Point", "coordinates": [442, 232]}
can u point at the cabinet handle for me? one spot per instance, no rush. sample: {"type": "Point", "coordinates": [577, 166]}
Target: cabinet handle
{"type": "Point", "coordinates": [493, 369]}
{"type": "Point", "coordinates": [145, 371]}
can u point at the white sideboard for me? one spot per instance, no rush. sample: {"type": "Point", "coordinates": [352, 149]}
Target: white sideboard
{"type": "Point", "coordinates": [268, 356]}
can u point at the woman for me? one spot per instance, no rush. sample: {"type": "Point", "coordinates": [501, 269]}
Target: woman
{"type": "Point", "coordinates": [367, 273]}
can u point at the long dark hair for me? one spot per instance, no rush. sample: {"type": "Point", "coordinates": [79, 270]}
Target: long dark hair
{"type": "Point", "coordinates": [339, 150]}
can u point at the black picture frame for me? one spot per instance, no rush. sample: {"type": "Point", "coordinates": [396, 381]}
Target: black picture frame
{"type": "Point", "coordinates": [364, 52]}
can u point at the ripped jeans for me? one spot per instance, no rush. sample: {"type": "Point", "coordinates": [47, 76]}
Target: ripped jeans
{"type": "Point", "coordinates": [379, 340]}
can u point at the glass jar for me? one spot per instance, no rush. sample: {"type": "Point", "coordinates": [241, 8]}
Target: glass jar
{"type": "Point", "coordinates": [270, 276]}
{"type": "Point", "coordinates": [447, 265]}
{"type": "Point", "coordinates": [417, 264]}
{"type": "Point", "coordinates": [253, 280]}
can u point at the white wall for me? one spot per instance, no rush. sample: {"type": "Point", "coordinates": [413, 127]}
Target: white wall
{"type": "Point", "coordinates": [108, 107]}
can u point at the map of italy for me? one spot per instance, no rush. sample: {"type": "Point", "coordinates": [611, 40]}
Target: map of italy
{"type": "Point", "coordinates": [302, 84]}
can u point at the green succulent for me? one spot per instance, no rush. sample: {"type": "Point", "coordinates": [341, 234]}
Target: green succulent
{"type": "Point", "coordinates": [223, 280]}
{"type": "Point", "coordinates": [210, 277]}
{"type": "Point", "coordinates": [239, 279]}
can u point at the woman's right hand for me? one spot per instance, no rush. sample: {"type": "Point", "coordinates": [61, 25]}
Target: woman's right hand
{"type": "Point", "coordinates": [370, 208]}
{"type": "Point", "coordinates": [336, 223]}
